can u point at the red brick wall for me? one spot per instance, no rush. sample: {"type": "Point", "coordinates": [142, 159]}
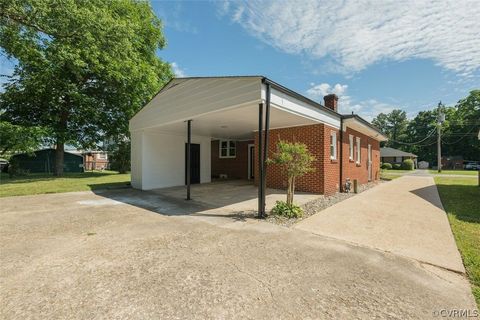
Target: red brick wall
{"type": "Point", "coordinates": [325, 179]}
{"type": "Point", "coordinates": [312, 136]}
{"type": "Point", "coordinates": [331, 168]}
{"type": "Point", "coordinates": [235, 168]}
{"type": "Point", "coordinates": [353, 170]}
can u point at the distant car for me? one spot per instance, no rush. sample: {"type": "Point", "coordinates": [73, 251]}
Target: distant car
{"type": "Point", "coordinates": [472, 166]}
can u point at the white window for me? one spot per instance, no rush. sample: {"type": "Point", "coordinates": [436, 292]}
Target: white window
{"type": "Point", "coordinates": [350, 149]}
{"type": "Point", "coordinates": [359, 151]}
{"type": "Point", "coordinates": [102, 156]}
{"type": "Point", "coordinates": [228, 149]}
{"type": "Point", "coordinates": [333, 145]}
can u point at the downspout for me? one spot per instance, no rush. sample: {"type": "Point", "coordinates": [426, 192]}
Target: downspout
{"type": "Point", "coordinates": [265, 146]}
{"type": "Point", "coordinates": [188, 164]}
{"type": "Point", "coordinates": [341, 155]}
{"type": "Point", "coordinates": [260, 161]}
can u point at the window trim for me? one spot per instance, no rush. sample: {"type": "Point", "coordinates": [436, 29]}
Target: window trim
{"type": "Point", "coordinates": [102, 156]}
{"type": "Point", "coordinates": [229, 146]}
{"type": "Point", "coordinates": [359, 150]}
{"type": "Point", "coordinates": [333, 143]}
{"type": "Point", "coordinates": [351, 148]}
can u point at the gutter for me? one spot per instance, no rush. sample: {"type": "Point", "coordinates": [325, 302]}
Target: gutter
{"type": "Point", "coordinates": [341, 155]}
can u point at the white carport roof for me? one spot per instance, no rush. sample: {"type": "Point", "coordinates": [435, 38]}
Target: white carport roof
{"type": "Point", "coordinates": [227, 107]}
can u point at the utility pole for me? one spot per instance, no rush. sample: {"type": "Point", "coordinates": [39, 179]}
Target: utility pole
{"type": "Point", "coordinates": [440, 120]}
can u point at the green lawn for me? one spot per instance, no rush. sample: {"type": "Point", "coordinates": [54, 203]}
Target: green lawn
{"type": "Point", "coordinates": [392, 174]}
{"type": "Point", "coordinates": [460, 197]}
{"type": "Point", "coordinates": [397, 171]}
{"type": "Point", "coordinates": [46, 183]}
{"type": "Point", "coordinates": [462, 172]}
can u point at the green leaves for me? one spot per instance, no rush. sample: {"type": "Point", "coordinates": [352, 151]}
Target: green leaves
{"type": "Point", "coordinates": [84, 67]}
{"type": "Point", "coordinates": [15, 139]}
{"type": "Point", "coordinates": [294, 157]}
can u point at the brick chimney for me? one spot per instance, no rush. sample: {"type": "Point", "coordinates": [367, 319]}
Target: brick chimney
{"type": "Point", "coordinates": [331, 101]}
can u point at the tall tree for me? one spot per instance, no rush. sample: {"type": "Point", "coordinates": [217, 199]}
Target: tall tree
{"type": "Point", "coordinates": [84, 66]}
{"type": "Point", "coordinates": [14, 138]}
{"type": "Point", "coordinates": [394, 125]}
{"type": "Point", "coordinates": [463, 125]}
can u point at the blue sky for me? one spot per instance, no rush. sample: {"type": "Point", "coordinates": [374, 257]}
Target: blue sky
{"type": "Point", "coordinates": [375, 60]}
{"type": "Point", "coordinates": [401, 54]}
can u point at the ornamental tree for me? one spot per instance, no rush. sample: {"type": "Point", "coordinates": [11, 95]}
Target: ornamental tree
{"type": "Point", "coordinates": [296, 161]}
{"type": "Point", "coordinates": [84, 68]}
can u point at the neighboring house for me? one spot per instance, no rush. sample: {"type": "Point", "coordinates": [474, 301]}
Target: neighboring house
{"type": "Point", "coordinates": [225, 120]}
{"type": "Point", "coordinates": [391, 155]}
{"type": "Point", "coordinates": [43, 161]}
{"type": "Point", "coordinates": [95, 160]}
{"type": "Point", "coordinates": [452, 162]}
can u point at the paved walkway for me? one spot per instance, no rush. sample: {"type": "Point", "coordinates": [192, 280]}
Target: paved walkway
{"type": "Point", "coordinates": [127, 254]}
{"type": "Point", "coordinates": [404, 216]}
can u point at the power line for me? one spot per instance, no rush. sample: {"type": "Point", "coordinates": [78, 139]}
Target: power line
{"type": "Point", "coordinates": [414, 143]}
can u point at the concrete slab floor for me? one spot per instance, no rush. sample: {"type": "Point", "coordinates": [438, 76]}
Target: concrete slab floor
{"type": "Point", "coordinates": [232, 195]}
{"type": "Point", "coordinates": [119, 255]}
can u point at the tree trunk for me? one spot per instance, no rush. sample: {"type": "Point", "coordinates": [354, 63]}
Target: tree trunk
{"type": "Point", "coordinates": [59, 153]}
{"type": "Point", "coordinates": [293, 190]}
{"type": "Point", "coordinates": [289, 191]}
{"type": "Point", "coordinates": [60, 147]}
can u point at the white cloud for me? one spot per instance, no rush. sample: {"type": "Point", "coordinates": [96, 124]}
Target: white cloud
{"type": "Point", "coordinates": [179, 72]}
{"type": "Point", "coordinates": [321, 90]}
{"type": "Point", "coordinates": [367, 109]}
{"type": "Point", "coordinates": [352, 34]}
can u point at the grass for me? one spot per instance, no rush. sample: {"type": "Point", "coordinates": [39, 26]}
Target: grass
{"type": "Point", "coordinates": [385, 175]}
{"type": "Point", "coordinates": [397, 170]}
{"type": "Point", "coordinates": [39, 183]}
{"type": "Point", "coordinates": [391, 174]}
{"type": "Point", "coordinates": [460, 172]}
{"type": "Point", "coordinates": [460, 197]}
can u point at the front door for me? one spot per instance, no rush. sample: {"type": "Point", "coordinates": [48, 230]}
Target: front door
{"type": "Point", "coordinates": [251, 161]}
{"type": "Point", "coordinates": [369, 162]}
{"type": "Point", "coordinates": [194, 163]}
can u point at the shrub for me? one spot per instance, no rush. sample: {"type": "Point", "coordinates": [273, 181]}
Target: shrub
{"type": "Point", "coordinates": [396, 166]}
{"type": "Point", "coordinates": [281, 208]}
{"type": "Point", "coordinates": [407, 164]}
{"type": "Point", "coordinates": [15, 171]}
{"type": "Point", "coordinates": [387, 166]}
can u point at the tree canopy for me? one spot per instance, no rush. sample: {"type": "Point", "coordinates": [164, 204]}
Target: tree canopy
{"type": "Point", "coordinates": [418, 135]}
{"type": "Point", "coordinates": [14, 138]}
{"type": "Point", "coordinates": [84, 67]}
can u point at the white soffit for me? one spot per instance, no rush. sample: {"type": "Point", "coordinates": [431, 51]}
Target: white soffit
{"type": "Point", "coordinates": [236, 123]}
{"type": "Point", "coordinates": [290, 104]}
{"type": "Point", "coordinates": [187, 98]}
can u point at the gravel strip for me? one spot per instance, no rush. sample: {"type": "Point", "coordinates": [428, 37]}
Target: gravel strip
{"type": "Point", "coordinates": [317, 205]}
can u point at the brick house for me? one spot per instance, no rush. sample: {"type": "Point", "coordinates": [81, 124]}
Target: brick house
{"type": "Point", "coordinates": [220, 119]}
{"type": "Point", "coordinates": [95, 160]}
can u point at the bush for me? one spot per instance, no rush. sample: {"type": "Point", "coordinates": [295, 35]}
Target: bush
{"type": "Point", "coordinates": [407, 164]}
{"type": "Point", "coordinates": [15, 171]}
{"type": "Point", "coordinates": [281, 208]}
{"type": "Point", "coordinates": [386, 166]}
{"type": "Point", "coordinates": [396, 166]}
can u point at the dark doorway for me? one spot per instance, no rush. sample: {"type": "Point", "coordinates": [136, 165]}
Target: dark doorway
{"type": "Point", "coordinates": [194, 163]}
{"type": "Point", "coordinates": [251, 161]}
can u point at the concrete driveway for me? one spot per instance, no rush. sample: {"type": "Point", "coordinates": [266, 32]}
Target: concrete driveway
{"type": "Point", "coordinates": [129, 254]}
{"type": "Point", "coordinates": [404, 216]}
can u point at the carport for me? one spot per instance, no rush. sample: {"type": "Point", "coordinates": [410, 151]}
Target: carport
{"type": "Point", "coordinates": [172, 134]}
